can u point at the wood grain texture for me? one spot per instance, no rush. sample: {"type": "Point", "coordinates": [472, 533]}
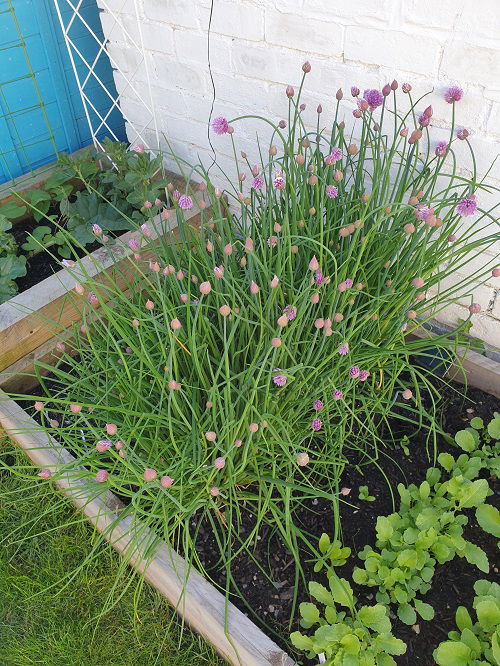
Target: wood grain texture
{"type": "Point", "coordinates": [233, 635]}
{"type": "Point", "coordinates": [47, 309]}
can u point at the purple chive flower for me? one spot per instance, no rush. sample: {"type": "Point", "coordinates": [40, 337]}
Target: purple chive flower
{"type": "Point", "coordinates": [406, 87]}
{"type": "Point", "coordinates": [319, 277]}
{"type": "Point", "coordinates": [185, 202]}
{"type": "Point", "coordinates": [453, 94]}
{"type": "Point", "coordinates": [337, 395]}
{"type": "Point", "coordinates": [317, 404]}
{"type": "Point", "coordinates": [176, 195]}
{"type": "Point", "coordinates": [290, 312]}
{"type": "Point", "coordinates": [334, 156]}
{"type": "Point", "coordinates": [467, 206]}
{"type": "Point", "coordinates": [279, 380]}
{"type": "Point", "coordinates": [421, 211]}
{"type": "Point", "coordinates": [316, 425]}
{"type": "Point", "coordinates": [96, 230]}
{"type": "Point", "coordinates": [272, 241]}
{"type": "Point", "coordinates": [220, 125]}
{"type": "Point", "coordinates": [348, 283]}
{"type": "Point", "coordinates": [441, 149]}
{"type": "Point", "coordinates": [103, 445]}
{"type": "Point", "coordinates": [354, 372]}
{"type": "Point", "coordinates": [343, 349]}
{"type": "Point", "coordinates": [258, 183]}
{"type": "Point", "coordinates": [354, 91]}
{"type": "Point", "coordinates": [374, 98]}
{"type": "Point", "coordinates": [363, 375]}
{"type": "Point", "coordinates": [424, 120]}
{"type": "Point", "coordinates": [331, 191]}
{"type": "Point", "coordinates": [134, 245]}
{"type": "Point", "coordinates": [92, 298]}
{"type": "Point", "coordinates": [279, 181]}
{"type": "Point", "coordinates": [462, 133]}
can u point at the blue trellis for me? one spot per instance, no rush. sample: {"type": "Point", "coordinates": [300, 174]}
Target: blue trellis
{"type": "Point", "coordinates": [41, 112]}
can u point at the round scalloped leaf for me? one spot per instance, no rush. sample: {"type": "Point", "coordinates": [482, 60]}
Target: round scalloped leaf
{"type": "Point", "coordinates": [451, 652]}
{"type": "Point", "coordinates": [407, 614]}
{"type": "Point", "coordinates": [488, 517]}
{"type": "Point", "coordinates": [426, 611]}
{"type": "Point", "coordinates": [494, 428]}
{"type": "Point", "coordinates": [465, 440]}
{"type": "Point", "coordinates": [300, 641]}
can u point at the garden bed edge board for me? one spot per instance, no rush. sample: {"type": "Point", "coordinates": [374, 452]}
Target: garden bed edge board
{"type": "Point", "coordinates": [202, 606]}
{"type": "Point", "coordinates": [25, 319]}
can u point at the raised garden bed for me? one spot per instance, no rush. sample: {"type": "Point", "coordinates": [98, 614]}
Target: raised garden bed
{"type": "Point", "coordinates": [203, 607]}
{"type": "Point", "coordinates": [227, 626]}
{"type": "Point", "coordinates": [255, 395]}
{"type": "Point", "coordinates": [32, 322]}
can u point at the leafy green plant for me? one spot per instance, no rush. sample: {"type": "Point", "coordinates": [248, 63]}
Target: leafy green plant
{"type": "Point", "coordinates": [474, 643]}
{"type": "Point", "coordinates": [426, 530]}
{"type": "Point", "coordinates": [365, 495]}
{"type": "Point", "coordinates": [253, 351]}
{"type": "Point", "coordinates": [344, 637]}
{"type": "Point", "coordinates": [11, 267]}
{"type": "Point", "coordinates": [332, 553]}
{"type": "Point", "coordinates": [483, 442]}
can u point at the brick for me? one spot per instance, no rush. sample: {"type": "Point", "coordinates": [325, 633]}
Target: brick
{"type": "Point", "coordinates": [262, 62]}
{"type": "Point", "coordinates": [485, 149]}
{"type": "Point", "coordinates": [129, 61]}
{"type": "Point", "coordinates": [170, 74]}
{"type": "Point", "coordinates": [442, 14]}
{"type": "Point", "coordinates": [357, 12]}
{"type": "Point", "coordinates": [477, 64]}
{"type": "Point", "coordinates": [335, 75]}
{"type": "Point", "coordinates": [479, 19]}
{"type": "Point", "coordinates": [304, 33]}
{"type": "Point", "coordinates": [191, 46]}
{"type": "Point", "coordinates": [493, 125]}
{"type": "Point", "coordinates": [112, 27]}
{"type": "Point", "coordinates": [236, 19]}
{"type": "Point", "coordinates": [471, 112]}
{"type": "Point", "coordinates": [495, 312]}
{"type": "Point", "coordinates": [182, 128]}
{"type": "Point", "coordinates": [411, 52]}
{"type": "Point", "coordinates": [170, 102]}
{"type": "Point", "coordinates": [248, 95]}
{"type": "Point", "coordinates": [157, 37]}
{"type": "Point", "coordinates": [173, 12]}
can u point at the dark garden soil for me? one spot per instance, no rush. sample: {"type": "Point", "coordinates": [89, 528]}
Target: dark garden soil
{"type": "Point", "coordinates": [270, 597]}
{"type": "Point", "coordinates": [452, 585]}
{"type": "Point", "coordinates": [42, 264]}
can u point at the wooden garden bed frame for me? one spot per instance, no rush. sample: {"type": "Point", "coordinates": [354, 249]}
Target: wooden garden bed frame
{"type": "Point", "coordinates": [235, 637]}
{"type": "Point", "coordinates": [30, 325]}
{"type": "Point", "coordinates": [27, 334]}
{"type": "Point", "coordinates": [32, 322]}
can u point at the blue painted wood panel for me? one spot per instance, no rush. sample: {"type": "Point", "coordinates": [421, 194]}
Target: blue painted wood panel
{"type": "Point", "coordinates": [41, 112]}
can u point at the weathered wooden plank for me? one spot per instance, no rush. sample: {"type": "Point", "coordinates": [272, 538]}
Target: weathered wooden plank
{"type": "Point", "coordinates": [32, 318]}
{"type": "Point", "coordinates": [476, 370]}
{"type": "Point", "coordinates": [204, 608]}
{"type": "Point", "coordinates": [469, 367]}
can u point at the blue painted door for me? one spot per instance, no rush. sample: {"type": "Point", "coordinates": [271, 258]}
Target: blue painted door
{"type": "Point", "coordinates": [41, 112]}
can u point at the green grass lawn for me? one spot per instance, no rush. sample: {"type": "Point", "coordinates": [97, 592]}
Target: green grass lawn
{"type": "Point", "coordinates": [53, 622]}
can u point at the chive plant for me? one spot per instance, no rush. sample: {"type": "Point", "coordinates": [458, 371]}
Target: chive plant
{"type": "Point", "coordinates": [249, 355]}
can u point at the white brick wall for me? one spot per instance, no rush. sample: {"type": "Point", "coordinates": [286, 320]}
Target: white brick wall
{"type": "Point", "coordinates": [258, 46]}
